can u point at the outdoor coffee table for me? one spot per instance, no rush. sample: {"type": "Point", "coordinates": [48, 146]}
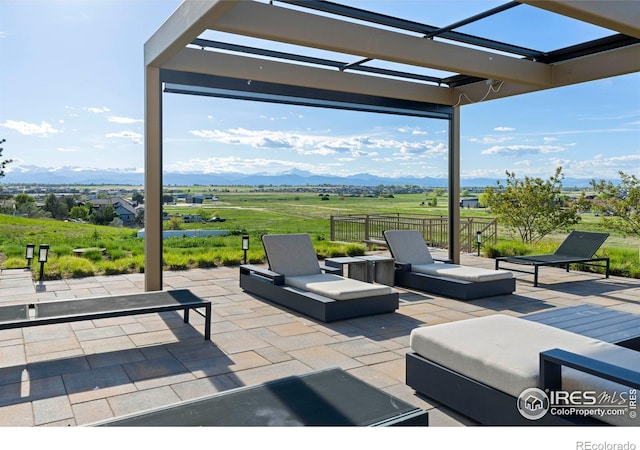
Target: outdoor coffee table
{"type": "Point", "coordinates": [356, 267]}
{"type": "Point", "coordinates": [329, 397]}
{"type": "Point", "coordinates": [380, 269]}
{"type": "Point", "coordinates": [605, 324]}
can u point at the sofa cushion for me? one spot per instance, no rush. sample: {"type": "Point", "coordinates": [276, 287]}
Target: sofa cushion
{"type": "Point", "coordinates": [476, 274]}
{"type": "Point", "coordinates": [408, 246]}
{"type": "Point", "coordinates": [503, 352]}
{"type": "Point", "coordinates": [291, 254]}
{"type": "Point", "coordinates": [337, 287]}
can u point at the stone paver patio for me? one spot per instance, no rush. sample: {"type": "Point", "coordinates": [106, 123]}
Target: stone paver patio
{"type": "Point", "coordinates": [79, 373]}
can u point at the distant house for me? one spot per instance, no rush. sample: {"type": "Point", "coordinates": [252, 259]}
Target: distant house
{"type": "Point", "coordinates": [125, 210]}
{"type": "Point", "coordinates": [469, 203]}
{"type": "Point", "coordinates": [195, 199]}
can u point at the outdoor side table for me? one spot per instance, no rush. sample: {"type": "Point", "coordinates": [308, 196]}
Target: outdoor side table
{"type": "Point", "coordinates": [356, 267]}
{"type": "Point", "coordinates": [380, 269]}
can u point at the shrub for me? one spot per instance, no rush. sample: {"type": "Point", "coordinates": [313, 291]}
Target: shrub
{"type": "Point", "coordinates": [14, 263]}
{"type": "Point", "coordinates": [94, 255]}
{"type": "Point", "coordinates": [71, 266]}
{"type": "Point", "coordinates": [117, 267]}
{"type": "Point", "coordinates": [355, 249]}
{"type": "Point", "coordinates": [505, 248]}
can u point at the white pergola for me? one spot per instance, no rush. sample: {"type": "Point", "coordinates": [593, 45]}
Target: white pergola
{"type": "Point", "coordinates": [179, 59]}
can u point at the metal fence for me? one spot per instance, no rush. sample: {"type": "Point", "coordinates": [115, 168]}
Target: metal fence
{"type": "Point", "coordinates": [368, 228]}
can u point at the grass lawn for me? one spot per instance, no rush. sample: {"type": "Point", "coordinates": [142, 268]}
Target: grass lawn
{"type": "Point", "coordinates": [244, 212]}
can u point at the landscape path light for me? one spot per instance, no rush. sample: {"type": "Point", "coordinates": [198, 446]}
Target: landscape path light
{"type": "Point", "coordinates": [245, 246]}
{"type": "Point", "coordinates": [43, 255]}
{"type": "Point", "coordinates": [478, 240]}
{"type": "Point", "coordinates": [29, 254]}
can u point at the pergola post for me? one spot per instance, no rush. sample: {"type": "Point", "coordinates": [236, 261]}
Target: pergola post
{"type": "Point", "coordinates": [153, 180]}
{"type": "Point", "coordinates": [454, 186]}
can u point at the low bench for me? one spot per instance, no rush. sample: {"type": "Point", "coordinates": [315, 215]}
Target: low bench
{"type": "Point", "coordinates": [327, 397]}
{"type": "Point", "coordinates": [44, 313]}
{"type": "Point", "coordinates": [375, 242]}
{"type": "Point", "coordinates": [480, 367]}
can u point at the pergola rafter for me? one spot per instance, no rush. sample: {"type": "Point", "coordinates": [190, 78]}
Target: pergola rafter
{"type": "Point", "coordinates": [179, 59]}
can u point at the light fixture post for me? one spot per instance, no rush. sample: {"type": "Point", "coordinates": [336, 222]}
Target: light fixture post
{"type": "Point", "coordinates": [43, 255]}
{"type": "Point", "coordinates": [245, 246]}
{"type": "Point", "coordinates": [29, 254]}
{"type": "Point", "coordinates": [479, 240]}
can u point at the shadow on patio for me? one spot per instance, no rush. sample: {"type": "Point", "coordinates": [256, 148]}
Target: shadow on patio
{"type": "Point", "coordinates": [74, 374]}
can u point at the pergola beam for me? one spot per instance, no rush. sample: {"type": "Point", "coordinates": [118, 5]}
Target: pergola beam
{"type": "Point", "coordinates": [300, 28]}
{"type": "Point", "coordinates": [182, 27]}
{"type": "Point", "coordinates": [611, 14]}
{"type": "Point", "coordinates": [236, 66]}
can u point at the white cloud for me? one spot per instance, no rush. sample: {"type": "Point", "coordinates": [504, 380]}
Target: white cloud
{"type": "Point", "coordinates": [325, 144]}
{"type": "Point", "coordinates": [125, 120]}
{"type": "Point", "coordinates": [135, 137]}
{"type": "Point", "coordinates": [95, 110]}
{"type": "Point", "coordinates": [30, 129]}
{"type": "Point", "coordinates": [521, 149]}
{"type": "Point", "coordinates": [504, 129]}
{"type": "Point", "coordinates": [492, 139]}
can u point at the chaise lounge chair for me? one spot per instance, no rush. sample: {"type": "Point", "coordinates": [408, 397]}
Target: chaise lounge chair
{"type": "Point", "coordinates": [417, 269]}
{"type": "Point", "coordinates": [498, 369]}
{"type": "Point", "coordinates": [578, 247]}
{"type": "Point", "coordinates": [295, 279]}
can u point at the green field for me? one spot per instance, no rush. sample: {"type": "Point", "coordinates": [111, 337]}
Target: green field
{"type": "Point", "coordinates": [245, 211]}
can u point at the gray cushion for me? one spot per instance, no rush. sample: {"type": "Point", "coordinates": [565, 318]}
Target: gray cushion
{"type": "Point", "coordinates": [466, 273]}
{"type": "Point", "coordinates": [337, 287]}
{"type": "Point", "coordinates": [503, 352]}
{"type": "Point", "coordinates": [291, 254]}
{"type": "Point", "coordinates": [408, 246]}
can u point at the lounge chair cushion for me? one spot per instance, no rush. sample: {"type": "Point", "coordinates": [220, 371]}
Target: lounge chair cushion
{"type": "Point", "coordinates": [337, 287]}
{"type": "Point", "coordinates": [467, 273]}
{"type": "Point", "coordinates": [291, 254]}
{"type": "Point", "coordinates": [503, 352]}
{"type": "Point", "coordinates": [408, 246]}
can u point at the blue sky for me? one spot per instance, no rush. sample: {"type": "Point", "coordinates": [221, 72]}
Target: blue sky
{"type": "Point", "coordinates": [71, 94]}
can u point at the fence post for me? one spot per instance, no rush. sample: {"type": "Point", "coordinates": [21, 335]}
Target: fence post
{"type": "Point", "coordinates": [366, 227]}
{"type": "Point", "coordinates": [332, 229]}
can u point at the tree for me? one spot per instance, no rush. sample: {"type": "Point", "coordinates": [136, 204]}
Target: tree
{"type": "Point", "coordinates": [620, 203]}
{"type": "Point", "coordinates": [3, 164]}
{"type": "Point", "coordinates": [174, 223]}
{"type": "Point", "coordinates": [79, 212]}
{"type": "Point", "coordinates": [25, 205]}
{"type": "Point", "coordinates": [532, 208]}
{"type": "Point", "coordinates": [137, 198]}
{"type": "Point", "coordinates": [58, 209]}
{"type": "Point", "coordinates": [139, 219]}
{"type": "Point", "coordinates": [103, 215]}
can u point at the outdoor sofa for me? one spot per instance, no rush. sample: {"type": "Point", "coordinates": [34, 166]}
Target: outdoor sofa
{"type": "Point", "coordinates": [295, 279]}
{"type": "Point", "coordinates": [417, 269]}
{"type": "Point", "coordinates": [481, 367]}
{"type": "Point", "coordinates": [579, 247]}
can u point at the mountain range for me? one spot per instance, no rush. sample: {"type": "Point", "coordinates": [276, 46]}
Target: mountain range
{"type": "Point", "coordinates": [30, 174]}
